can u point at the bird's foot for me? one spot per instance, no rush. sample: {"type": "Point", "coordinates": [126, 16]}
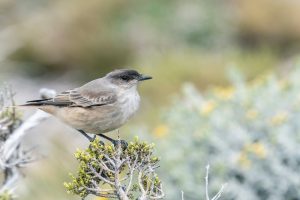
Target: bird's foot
{"type": "Point", "coordinates": [123, 144]}
{"type": "Point", "coordinates": [116, 143]}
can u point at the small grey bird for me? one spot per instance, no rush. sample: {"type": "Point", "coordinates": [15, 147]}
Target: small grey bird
{"type": "Point", "coordinates": [99, 106]}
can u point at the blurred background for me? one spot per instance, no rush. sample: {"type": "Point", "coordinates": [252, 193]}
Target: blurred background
{"type": "Point", "coordinates": [225, 87]}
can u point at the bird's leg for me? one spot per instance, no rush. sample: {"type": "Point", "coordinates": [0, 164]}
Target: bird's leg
{"type": "Point", "coordinates": [123, 143]}
{"type": "Point", "coordinates": [107, 138]}
{"type": "Point", "coordinates": [91, 139]}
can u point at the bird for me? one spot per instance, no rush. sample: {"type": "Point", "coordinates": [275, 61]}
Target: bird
{"type": "Point", "coordinates": [99, 106]}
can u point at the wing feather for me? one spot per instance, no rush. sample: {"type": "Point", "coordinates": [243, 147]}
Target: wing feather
{"type": "Point", "coordinates": [78, 98]}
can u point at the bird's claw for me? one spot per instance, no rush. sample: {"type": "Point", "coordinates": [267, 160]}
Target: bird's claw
{"type": "Point", "coordinates": [123, 144]}
{"type": "Point", "coordinates": [93, 138]}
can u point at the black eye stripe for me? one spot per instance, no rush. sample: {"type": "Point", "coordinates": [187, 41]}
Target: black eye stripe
{"type": "Point", "coordinates": [126, 78]}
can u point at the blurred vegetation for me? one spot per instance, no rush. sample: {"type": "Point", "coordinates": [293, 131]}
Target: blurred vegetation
{"type": "Point", "coordinates": [6, 196]}
{"type": "Point", "coordinates": [175, 41]}
{"type": "Point", "coordinates": [249, 133]}
{"type": "Point", "coordinates": [91, 38]}
{"type": "Point", "coordinates": [267, 22]}
{"type": "Point", "coordinates": [10, 120]}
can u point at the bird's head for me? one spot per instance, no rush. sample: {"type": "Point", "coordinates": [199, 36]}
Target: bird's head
{"type": "Point", "coordinates": [126, 78]}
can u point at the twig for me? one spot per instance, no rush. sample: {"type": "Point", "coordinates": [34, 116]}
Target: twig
{"type": "Point", "coordinates": [206, 182]}
{"type": "Point", "coordinates": [218, 195]}
{"type": "Point", "coordinates": [100, 177]}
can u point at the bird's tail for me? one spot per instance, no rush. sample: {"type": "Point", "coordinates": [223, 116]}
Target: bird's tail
{"type": "Point", "coordinates": [38, 102]}
{"type": "Point", "coordinates": [34, 103]}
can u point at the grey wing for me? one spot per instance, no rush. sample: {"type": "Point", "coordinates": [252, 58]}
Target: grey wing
{"type": "Point", "coordinates": [78, 98]}
{"type": "Point", "coordinates": [87, 98]}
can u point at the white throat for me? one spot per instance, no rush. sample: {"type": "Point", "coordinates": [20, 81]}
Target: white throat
{"type": "Point", "coordinates": [129, 100]}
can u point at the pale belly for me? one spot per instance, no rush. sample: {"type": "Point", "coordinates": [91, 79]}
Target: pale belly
{"type": "Point", "coordinates": [93, 120]}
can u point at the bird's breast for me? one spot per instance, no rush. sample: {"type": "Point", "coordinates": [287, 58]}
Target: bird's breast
{"type": "Point", "coordinates": [129, 104]}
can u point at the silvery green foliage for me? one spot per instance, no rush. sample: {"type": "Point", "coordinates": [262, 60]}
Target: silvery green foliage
{"type": "Point", "coordinates": [249, 133]}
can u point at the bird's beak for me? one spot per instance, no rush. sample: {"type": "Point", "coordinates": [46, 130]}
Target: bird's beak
{"type": "Point", "coordinates": [144, 77]}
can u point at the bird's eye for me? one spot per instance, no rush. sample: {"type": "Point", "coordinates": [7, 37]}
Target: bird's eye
{"type": "Point", "coordinates": [125, 78]}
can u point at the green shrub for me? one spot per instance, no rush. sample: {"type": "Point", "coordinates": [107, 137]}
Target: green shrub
{"type": "Point", "coordinates": [119, 172]}
{"type": "Point", "coordinates": [6, 196]}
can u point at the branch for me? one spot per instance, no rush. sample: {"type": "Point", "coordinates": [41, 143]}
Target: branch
{"type": "Point", "coordinates": [14, 140]}
{"type": "Point", "coordinates": [217, 196]}
{"type": "Point", "coordinates": [9, 183]}
{"type": "Point", "coordinates": [12, 156]}
{"type": "Point", "coordinates": [144, 194]}
{"type": "Point", "coordinates": [119, 189]}
{"type": "Point", "coordinates": [100, 177]}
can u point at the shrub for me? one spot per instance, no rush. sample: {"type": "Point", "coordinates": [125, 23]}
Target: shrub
{"type": "Point", "coordinates": [249, 133]}
{"type": "Point", "coordinates": [119, 172]}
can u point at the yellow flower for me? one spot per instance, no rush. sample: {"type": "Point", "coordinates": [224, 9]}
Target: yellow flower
{"type": "Point", "coordinates": [279, 118]}
{"type": "Point", "coordinates": [207, 107]}
{"type": "Point", "coordinates": [244, 160]}
{"type": "Point", "coordinates": [224, 93]}
{"type": "Point", "coordinates": [258, 149]}
{"type": "Point", "coordinates": [161, 131]}
{"type": "Point", "coordinates": [251, 114]}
